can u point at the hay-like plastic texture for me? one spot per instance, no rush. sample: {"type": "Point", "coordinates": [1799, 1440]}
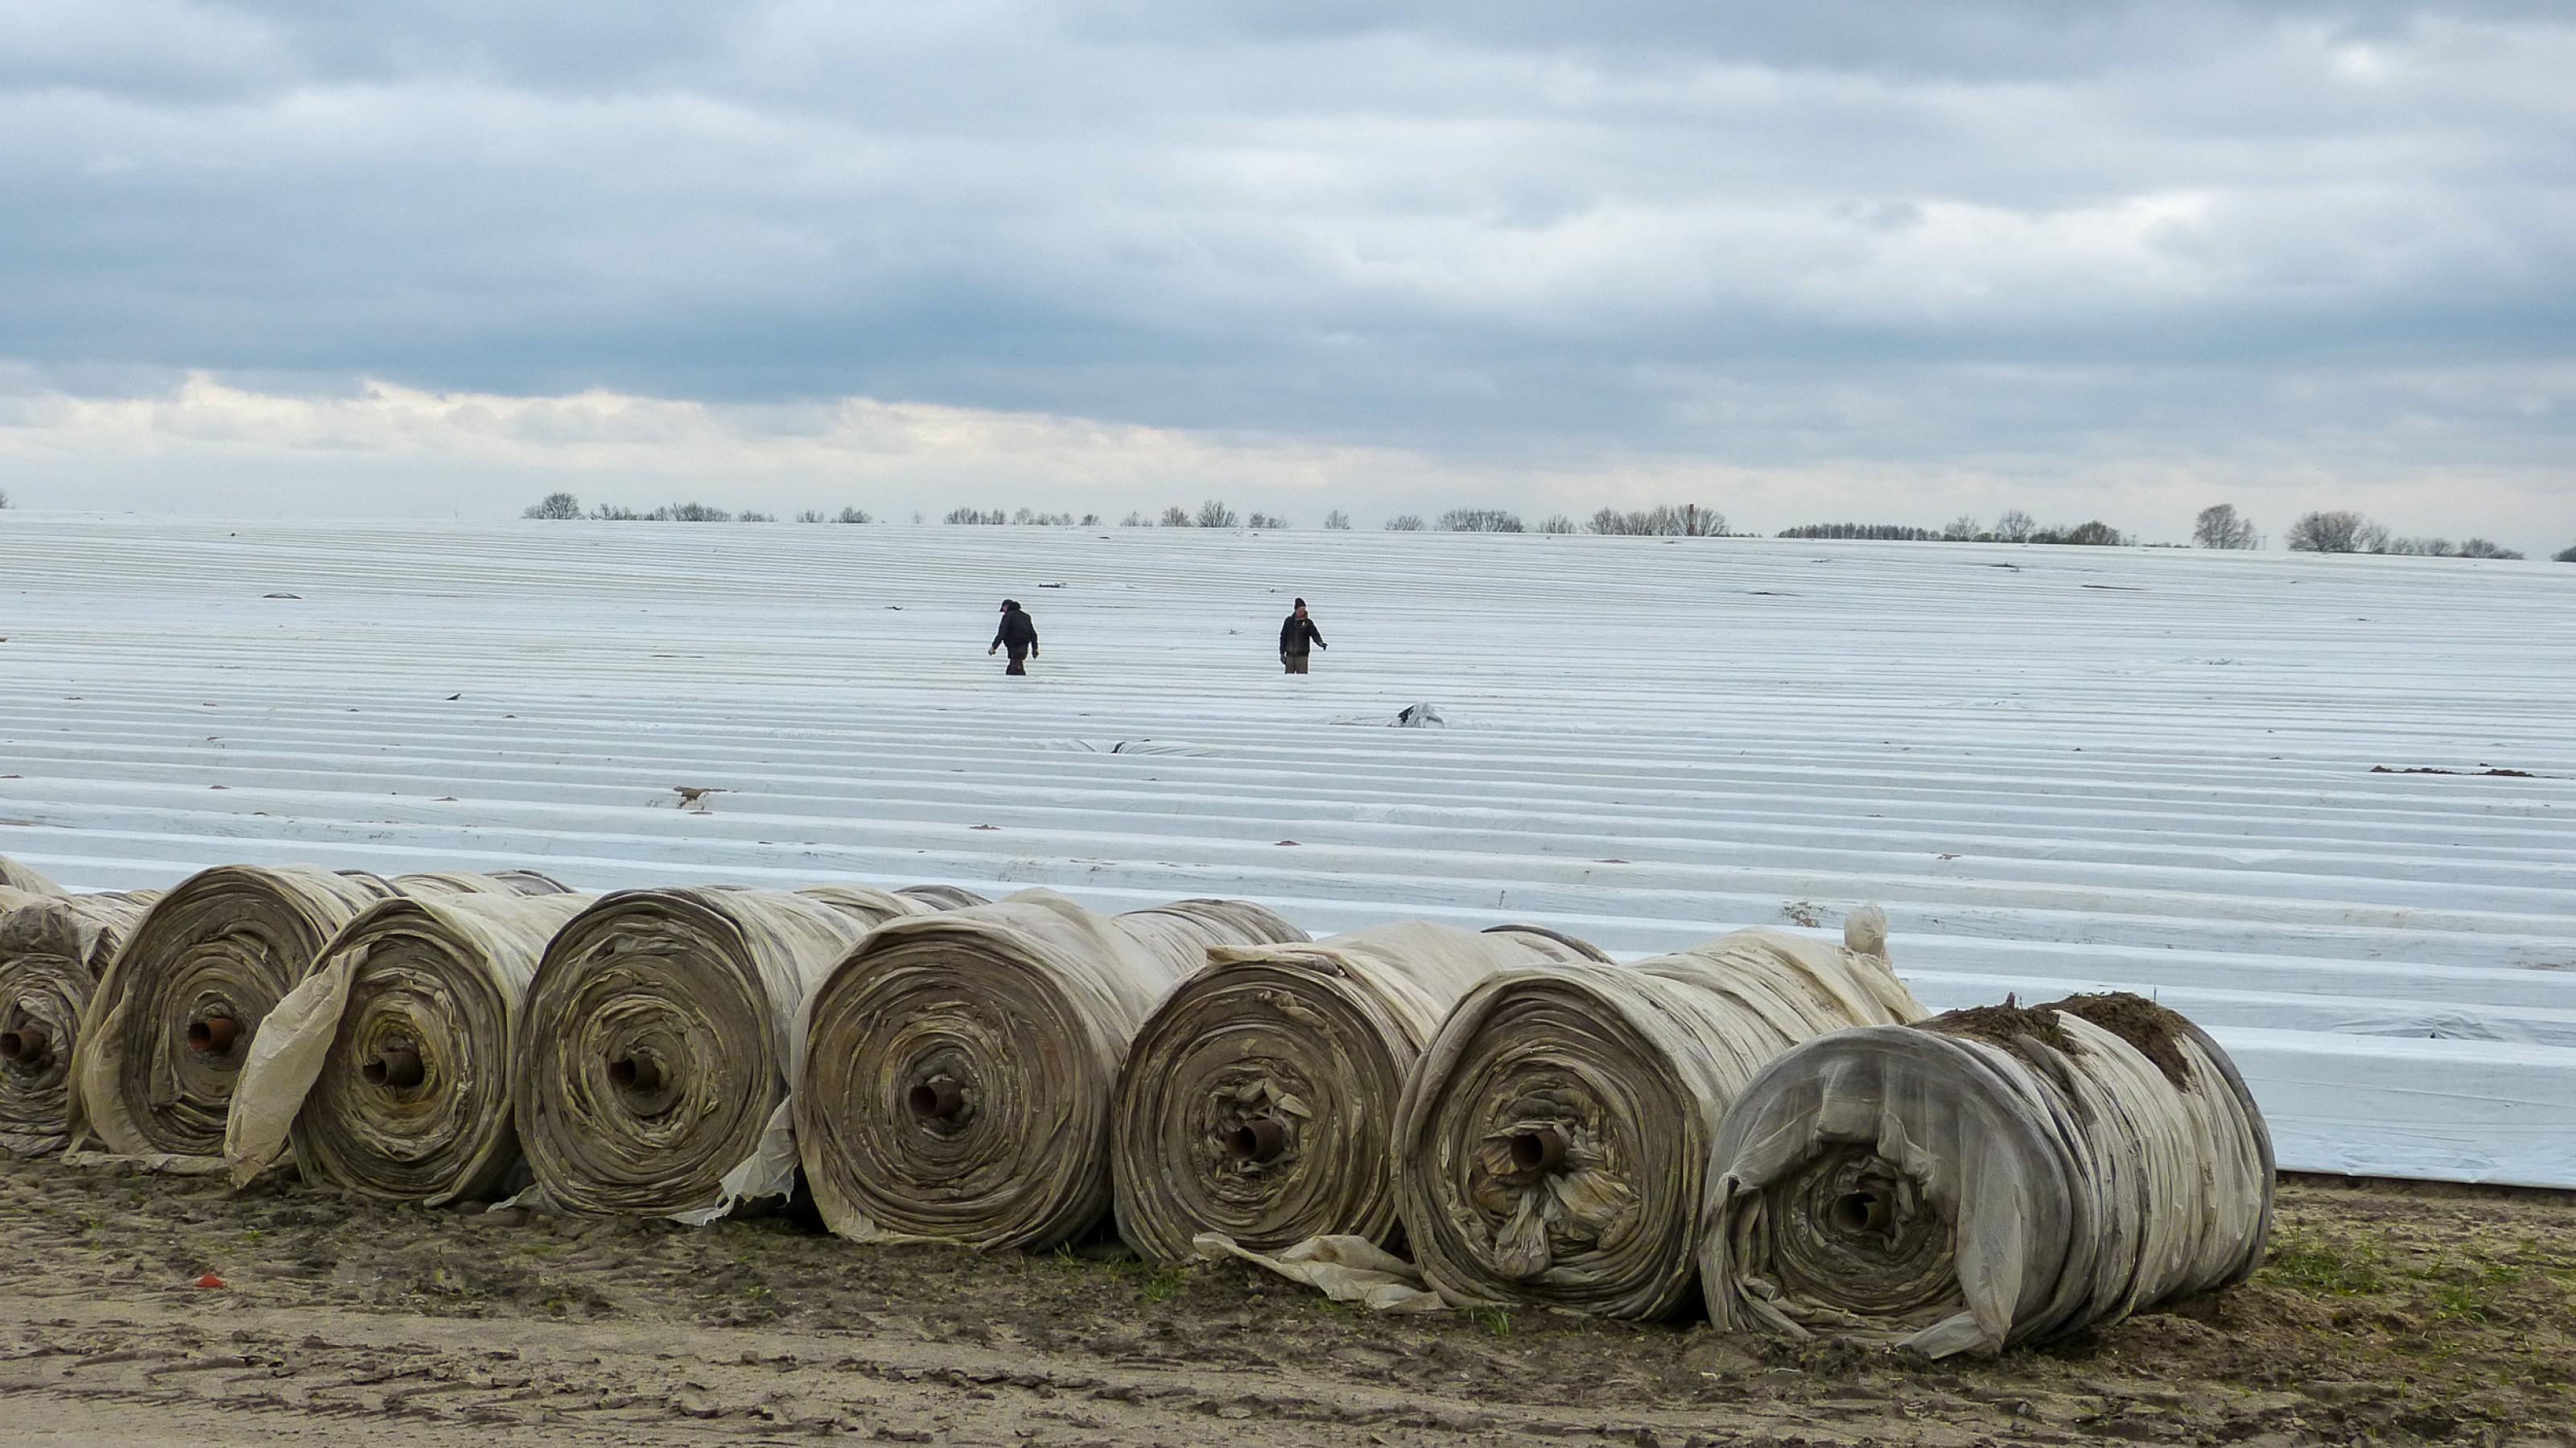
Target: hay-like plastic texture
{"type": "Point", "coordinates": [390, 1064]}
{"type": "Point", "coordinates": [1259, 1101]}
{"type": "Point", "coordinates": [18, 880]}
{"type": "Point", "coordinates": [1554, 1141]}
{"type": "Point", "coordinates": [959, 1082]}
{"type": "Point", "coordinates": [175, 1015]}
{"type": "Point", "coordinates": [53, 948]}
{"type": "Point", "coordinates": [1987, 1178]}
{"type": "Point", "coordinates": [663, 1031]}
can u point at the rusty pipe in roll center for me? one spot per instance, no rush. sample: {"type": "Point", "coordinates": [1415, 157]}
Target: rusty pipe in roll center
{"type": "Point", "coordinates": [26, 1046]}
{"type": "Point", "coordinates": [1538, 1151]}
{"type": "Point", "coordinates": [214, 1035]}
{"type": "Point", "coordinates": [936, 1099]}
{"type": "Point", "coordinates": [1258, 1139]}
{"type": "Point", "coordinates": [394, 1066]}
{"type": "Point", "coordinates": [636, 1073]}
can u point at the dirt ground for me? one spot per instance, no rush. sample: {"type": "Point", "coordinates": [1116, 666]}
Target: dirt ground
{"type": "Point", "coordinates": [2387, 1315]}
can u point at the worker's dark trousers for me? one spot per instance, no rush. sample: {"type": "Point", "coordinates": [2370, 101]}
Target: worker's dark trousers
{"type": "Point", "coordinates": [1019, 662]}
{"type": "Point", "coordinates": [1296, 662]}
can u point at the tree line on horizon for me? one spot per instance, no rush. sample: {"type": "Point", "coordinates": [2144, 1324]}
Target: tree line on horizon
{"type": "Point", "coordinates": [2219, 526]}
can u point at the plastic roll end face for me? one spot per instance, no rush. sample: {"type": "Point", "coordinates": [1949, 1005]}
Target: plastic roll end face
{"type": "Point", "coordinates": [205, 965]}
{"type": "Point", "coordinates": [662, 1065]}
{"type": "Point", "coordinates": [1550, 1153]}
{"type": "Point", "coordinates": [954, 1094]}
{"type": "Point", "coordinates": [1989, 1178]}
{"type": "Point", "coordinates": [1259, 1101]}
{"type": "Point", "coordinates": [49, 954]}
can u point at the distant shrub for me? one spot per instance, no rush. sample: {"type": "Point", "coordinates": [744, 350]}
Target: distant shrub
{"type": "Point", "coordinates": [1176, 516]}
{"type": "Point", "coordinates": [2015, 526]}
{"type": "Point", "coordinates": [1871, 532]}
{"type": "Point", "coordinates": [553, 505]}
{"type": "Point", "coordinates": [1964, 529]}
{"type": "Point", "coordinates": [1091, 520]}
{"type": "Point", "coordinates": [1134, 520]}
{"type": "Point", "coordinates": [2084, 535]}
{"type": "Point", "coordinates": [2566, 554]}
{"type": "Point", "coordinates": [1689, 520]}
{"type": "Point", "coordinates": [981, 517]}
{"type": "Point", "coordinates": [853, 515]}
{"type": "Point", "coordinates": [1557, 523]}
{"type": "Point", "coordinates": [1266, 520]}
{"type": "Point", "coordinates": [1480, 520]}
{"type": "Point", "coordinates": [1026, 517]}
{"type": "Point", "coordinates": [2336, 532]}
{"type": "Point", "coordinates": [4, 500]}
{"type": "Point", "coordinates": [1215, 514]}
{"type": "Point", "coordinates": [2481, 548]}
{"type": "Point", "coordinates": [813, 515]}
{"type": "Point", "coordinates": [2219, 526]}
{"type": "Point", "coordinates": [1338, 521]}
{"type": "Point", "coordinates": [1404, 523]}
{"type": "Point", "coordinates": [748, 516]}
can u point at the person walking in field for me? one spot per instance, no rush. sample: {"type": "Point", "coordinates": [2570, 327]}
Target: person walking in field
{"type": "Point", "coordinates": [1019, 634]}
{"type": "Point", "coordinates": [1296, 636]}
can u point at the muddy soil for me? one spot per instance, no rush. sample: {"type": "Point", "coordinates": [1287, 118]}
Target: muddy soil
{"type": "Point", "coordinates": [2387, 1315]}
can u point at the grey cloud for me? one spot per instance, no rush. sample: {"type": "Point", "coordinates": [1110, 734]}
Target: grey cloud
{"type": "Point", "coordinates": [1896, 232]}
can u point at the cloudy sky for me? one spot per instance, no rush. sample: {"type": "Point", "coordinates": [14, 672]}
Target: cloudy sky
{"type": "Point", "coordinates": [1889, 262]}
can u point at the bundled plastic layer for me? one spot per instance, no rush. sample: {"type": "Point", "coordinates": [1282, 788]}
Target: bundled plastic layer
{"type": "Point", "coordinates": [1988, 1178]}
{"type": "Point", "coordinates": [175, 1013]}
{"type": "Point", "coordinates": [17, 879]}
{"type": "Point", "coordinates": [1553, 1146]}
{"type": "Point", "coordinates": [1259, 1100]}
{"type": "Point", "coordinates": [944, 897]}
{"type": "Point", "coordinates": [960, 1074]}
{"type": "Point", "coordinates": [391, 1062]}
{"type": "Point", "coordinates": [662, 1032]}
{"type": "Point", "coordinates": [52, 951]}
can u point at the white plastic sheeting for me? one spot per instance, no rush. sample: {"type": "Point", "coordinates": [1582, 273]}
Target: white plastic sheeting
{"type": "Point", "coordinates": [2160, 783]}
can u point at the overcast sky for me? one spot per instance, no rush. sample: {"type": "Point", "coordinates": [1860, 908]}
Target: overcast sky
{"type": "Point", "coordinates": [1808, 262]}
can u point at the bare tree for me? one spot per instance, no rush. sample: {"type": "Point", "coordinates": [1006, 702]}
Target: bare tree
{"type": "Point", "coordinates": [1557, 523]}
{"type": "Point", "coordinates": [1404, 523]}
{"type": "Point", "coordinates": [2331, 533]}
{"type": "Point", "coordinates": [2481, 548]}
{"type": "Point", "coordinates": [985, 516]}
{"type": "Point", "coordinates": [1266, 520]}
{"type": "Point", "coordinates": [1134, 520]}
{"type": "Point", "coordinates": [813, 515]}
{"type": "Point", "coordinates": [1480, 520]}
{"type": "Point", "coordinates": [4, 497]}
{"type": "Point", "coordinates": [1091, 520]}
{"type": "Point", "coordinates": [1689, 520]}
{"type": "Point", "coordinates": [853, 515]}
{"type": "Point", "coordinates": [1338, 521]}
{"type": "Point", "coordinates": [2015, 526]}
{"type": "Point", "coordinates": [1176, 516]}
{"type": "Point", "coordinates": [2565, 555]}
{"type": "Point", "coordinates": [2095, 534]}
{"type": "Point", "coordinates": [1962, 529]}
{"type": "Point", "coordinates": [1215, 514]}
{"type": "Point", "coordinates": [553, 505]}
{"type": "Point", "coordinates": [2220, 526]}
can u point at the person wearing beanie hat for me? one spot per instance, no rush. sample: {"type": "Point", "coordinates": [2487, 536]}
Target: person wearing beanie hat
{"type": "Point", "coordinates": [1296, 636]}
{"type": "Point", "coordinates": [1019, 634]}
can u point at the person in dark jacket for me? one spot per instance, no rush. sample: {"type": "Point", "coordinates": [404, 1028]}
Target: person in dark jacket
{"type": "Point", "coordinates": [1018, 634]}
{"type": "Point", "coordinates": [1296, 636]}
